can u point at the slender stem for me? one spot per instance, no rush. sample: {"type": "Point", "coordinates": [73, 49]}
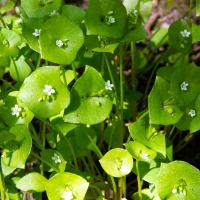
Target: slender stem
{"type": "Point", "coordinates": [15, 66]}
{"type": "Point", "coordinates": [65, 138]}
{"type": "Point", "coordinates": [2, 20]}
{"type": "Point", "coordinates": [172, 130]}
{"type": "Point", "coordinates": [114, 187]}
{"type": "Point", "coordinates": [1, 186]}
{"type": "Point", "coordinates": [9, 84]}
{"type": "Point", "coordinates": [120, 139]}
{"type": "Point", "coordinates": [190, 13]}
{"type": "Point", "coordinates": [39, 61]}
{"type": "Point", "coordinates": [74, 70]}
{"type": "Point", "coordinates": [139, 181]}
{"type": "Point", "coordinates": [63, 72]}
{"type": "Point", "coordinates": [96, 188]}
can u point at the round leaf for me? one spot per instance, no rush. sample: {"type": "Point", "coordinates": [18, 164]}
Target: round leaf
{"type": "Point", "coordinates": [40, 8]}
{"type": "Point", "coordinates": [16, 151]}
{"type": "Point", "coordinates": [66, 182]}
{"type": "Point", "coordinates": [41, 104]}
{"type": "Point", "coordinates": [117, 162]}
{"type": "Point", "coordinates": [60, 39]}
{"type": "Point", "coordinates": [178, 180]}
{"type": "Point", "coordinates": [90, 104]}
{"type": "Point", "coordinates": [33, 182]}
{"type": "Point", "coordinates": [95, 18]}
{"type": "Point", "coordinates": [162, 108]}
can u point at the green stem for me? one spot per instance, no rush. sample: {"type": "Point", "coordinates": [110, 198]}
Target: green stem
{"type": "Point", "coordinates": [41, 159]}
{"type": "Point", "coordinates": [172, 130]}
{"type": "Point", "coordinates": [63, 72]}
{"type": "Point", "coordinates": [38, 62]}
{"type": "Point", "coordinates": [15, 66]}
{"type": "Point", "coordinates": [64, 138]}
{"type": "Point", "coordinates": [2, 20]}
{"type": "Point", "coordinates": [74, 70]}
{"type": "Point", "coordinates": [120, 139]}
{"type": "Point", "coordinates": [1, 186]}
{"type": "Point", "coordinates": [114, 187]}
{"type": "Point", "coordinates": [139, 181]}
{"type": "Point", "coordinates": [190, 13]}
{"type": "Point", "coordinates": [96, 188]}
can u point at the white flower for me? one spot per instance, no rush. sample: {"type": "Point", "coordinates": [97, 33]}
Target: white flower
{"type": "Point", "coordinates": [192, 113]}
{"type": "Point", "coordinates": [185, 33]}
{"type": "Point", "coordinates": [108, 85]}
{"type": "Point", "coordinates": [59, 43]}
{"type": "Point", "coordinates": [16, 110]}
{"type": "Point", "coordinates": [184, 86]}
{"type": "Point", "coordinates": [135, 12]}
{"type": "Point", "coordinates": [53, 13]}
{"type": "Point", "coordinates": [36, 33]}
{"type": "Point", "coordinates": [18, 21]}
{"type": "Point", "coordinates": [174, 191]}
{"type": "Point", "coordinates": [145, 156]}
{"type": "Point", "coordinates": [56, 158]}
{"type": "Point", "coordinates": [67, 195]}
{"type": "Point", "coordinates": [111, 19]}
{"type": "Point", "coordinates": [48, 90]}
{"type": "Point", "coordinates": [123, 198]}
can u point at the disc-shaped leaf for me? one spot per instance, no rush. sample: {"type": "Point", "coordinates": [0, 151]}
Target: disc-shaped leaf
{"type": "Point", "coordinates": [6, 170]}
{"type": "Point", "coordinates": [20, 69]}
{"type": "Point", "coordinates": [16, 151]}
{"type": "Point", "coordinates": [73, 13]}
{"type": "Point", "coordinates": [140, 152]}
{"type": "Point", "coordinates": [117, 162]}
{"type": "Point", "coordinates": [54, 159]}
{"type": "Point", "coordinates": [32, 182]}
{"type": "Point", "coordinates": [66, 183]}
{"type": "Point", "coordinates": [149, 136]}
{"type": "Point", "coordinates": [60, 39]}
{"type": "Point", "coordinates": [41, 103]}
{"type": "Point", "coordinates": [14, 111]}
{"type": "Point", "coordinates": [9, 40]}
{"type": "Point", "coordinates": [180, 36]}
{"type": "Point", "coordinates": [31, 31]}
{"type": "Point", "coordinates": [5, 136]}
{"type": "Point", "coordinates": [162, 108]}
{"type": "Point", "coordinates": [96, 19]}
{"type": "Point", "coordinates": [184, 83]}
{"type": "Point", "coordinates": [90, 103]}
{"type": "Point", "coordinates": [40, 8]}
{"type": "Point", "coordinates": [178, 180]}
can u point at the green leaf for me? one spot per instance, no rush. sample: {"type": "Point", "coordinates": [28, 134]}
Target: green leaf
{"type": "Point", "coordinates": [149, 136]}
{"type": "Point", "coordinates": [10, 117]}
{"type": "Point", "coordinates": [186, 74]}
{"type": "Point", "coordinates": [54, 159]}
{"type": "Point", "coordinates": [162, 107]}
{"type": "Point", "coordinates": [41, 104]}
{"type": "Point", "coordinates": [16, 151]}
{"type": "Point", "coordinates": [146, 195]}
{"type": "Point", "coordinates": [6, 170]}
{"type": "Point", "coordinates": [159, 38]}
{"type": "Point", "coordinates": [198, 7]}
{"type": "Point", "coordinates": [9, 41]}
{"type": "Point", "coordinates": [90, 103]}
{"type": "Point", "coordinates": [181, 43]}
{"type": "Point", "coordinates": [95, 19]}
{"type": "Point", "coordinates": [178, 180]}
{"type": "Point", "coordinates": [101, 44]}
{"type": "Point", "coordinates": [140, 152]}
{"type": "Point", "coordinates": [195, 33]}
{"type": "Point", "coordinates": [73, 13]}
{"type": "Point", "coordinates": [20, 69]}
{"type": "Point", "coordinates": [65, 183]}
{"type": "Point", "coordinates": [5, 136]}
{"type": "Point", "coordinates": [165, 72]}
{"type": "Point", "coordinates": [117, 162]}
{"type": "Point", "coordinates": [30, 27]}
{"type": "Point", "coordinates": [82, 135]}
{"type": "Point", "coordinates": [40, 8]}
{"type": "Point", "coordinates": [60, 29]}
{"type": "Point", "coordinates": [32, 182]}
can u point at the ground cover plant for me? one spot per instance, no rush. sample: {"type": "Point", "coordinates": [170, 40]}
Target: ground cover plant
{"type": "Point", "coordinates": [91, 109]}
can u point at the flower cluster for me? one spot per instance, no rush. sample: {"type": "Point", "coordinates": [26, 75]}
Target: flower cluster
{"type": "Point", "coordinates": [36, 32]}
{"type": "Point", "coordinates": [49, 93]}
{"type": "Point", "coordinates": [109, 19]}
{"type": "Point", "coordinates": [56, 158]}
{"type": "Point", "coordinates": [184, 86]}
{"type": "Point", "coordinates": [108, 85]}
{"type": "Point", "coordinates": [16, 110]}
{"type": "Point", "coordinates": [192, 113]}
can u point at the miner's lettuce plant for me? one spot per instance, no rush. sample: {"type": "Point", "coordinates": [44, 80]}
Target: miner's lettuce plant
{"type": "Point", "coordinates": [74, 124]}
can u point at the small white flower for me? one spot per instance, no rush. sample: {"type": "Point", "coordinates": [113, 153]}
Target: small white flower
{"type": "Point", "coordinates": [56, 158]}
{"type": "Point", "coordinates": [53, 13]}
{"type": "Point", "coordinates": [18, 21]}
{"type": "Point", "coordinates": [48, 90]}
{"type": "Point", "coordinates": [123, 198]}
{"type": "Point", "coordinates": [192, 113]}
{"type": "Point", "coordinates": [184, 86]}
{"type": "Point", "coordinates": [59, 43]}
{"type": "Point", "coordinates": [111, 20]}
{"type": "Point", "coordinates": [145, 156]}
{"type": "Point", "coordinates": [67, 195]}
{"type": "Point", "coordinates": [185, 33]}
{"type": "Point", "coordinates": [174, 191]}
{"type": "Point", "coordinates": [16, 110]}
{"type": "Point", "coordinates": [135, 12]}
{"type": "Point", "coordinates": [36, 33]}
{"type": "Point", "coordinates": [108, 85]}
